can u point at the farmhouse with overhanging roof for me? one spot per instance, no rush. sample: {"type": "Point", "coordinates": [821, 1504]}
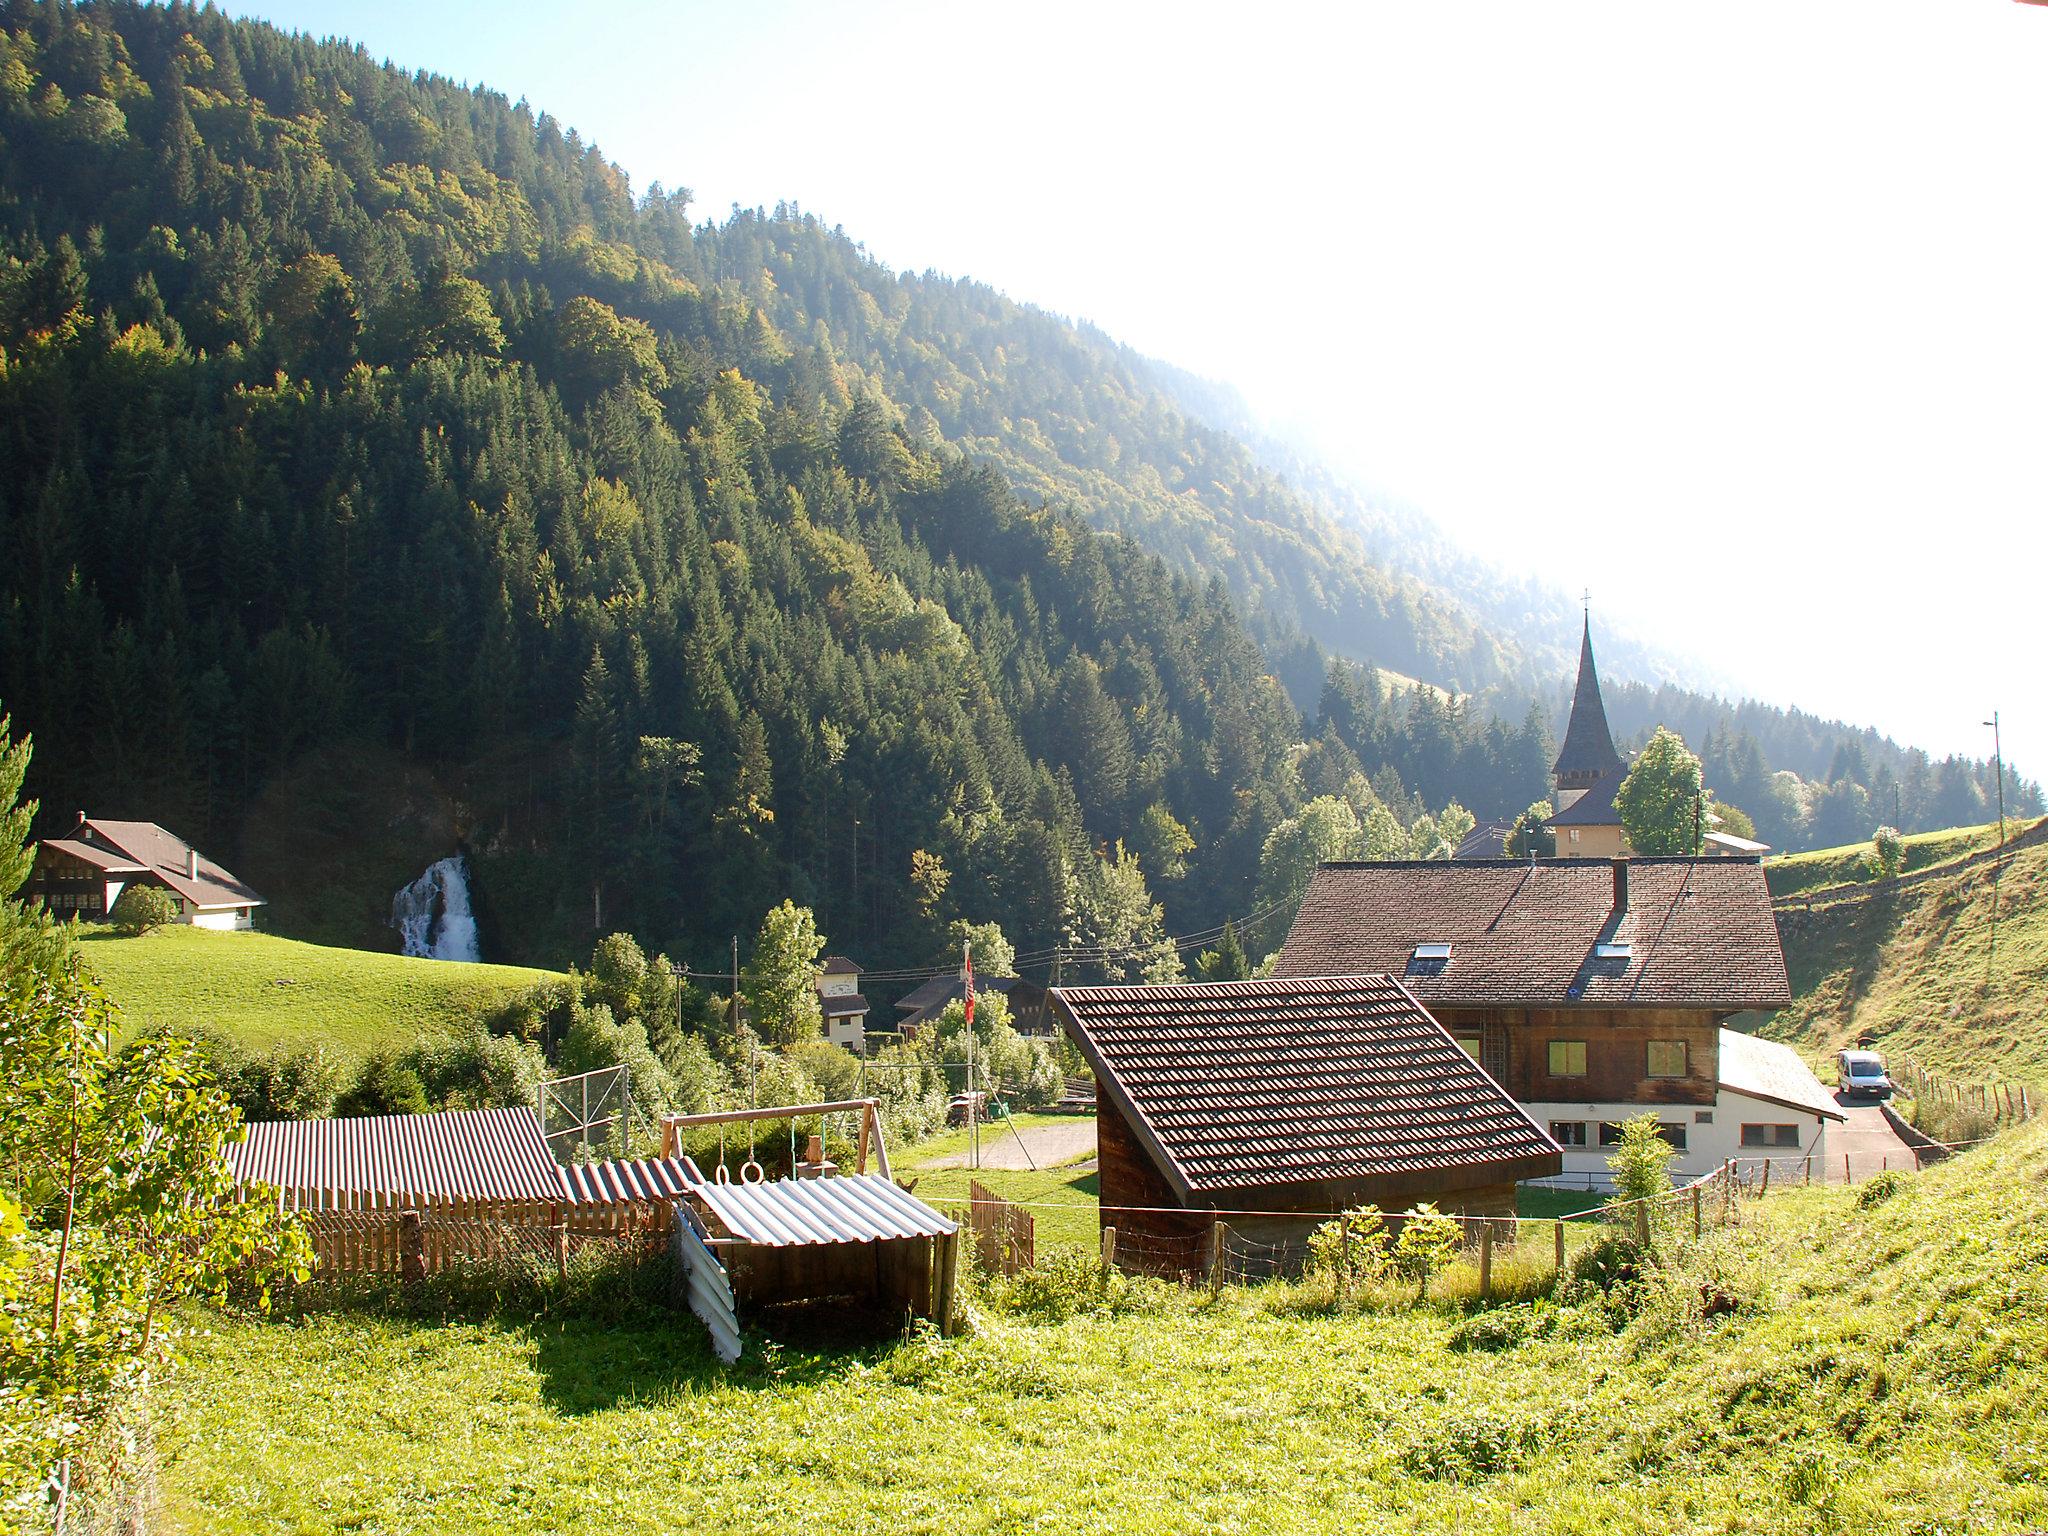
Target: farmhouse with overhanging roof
{"type": "Point", "coordinates": [1282, 1101]}
{"type": "Point", "coordinates": [1590, 989]}
{"type": "Point", "coordinates": [83, 873]}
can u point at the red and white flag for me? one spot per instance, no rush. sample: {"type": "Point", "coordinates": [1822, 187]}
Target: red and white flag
{"type": "Point", "coordinates": [967, 975]}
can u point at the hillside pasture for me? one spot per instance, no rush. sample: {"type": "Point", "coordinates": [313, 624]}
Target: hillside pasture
{"type": "Point", "coordinates": [1878, 1371]}
{"type": "Point", "coordinates": [1849, 864]}
{"type": "Point", "coordinates": [260, 990]}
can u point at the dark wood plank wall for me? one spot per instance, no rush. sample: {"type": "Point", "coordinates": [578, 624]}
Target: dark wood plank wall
{"type": "Point", "coordinates": [1617, 1052]}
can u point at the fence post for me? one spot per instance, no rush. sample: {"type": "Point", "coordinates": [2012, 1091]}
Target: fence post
{"type": "Point", "coordinates": [1765, 1187]}
{"type": "Point", "coordinates": [412, 1247]}
{"type": "Point", "coordinates": [1642, 1224]}
{"type": "Point", "coordinates": [1558, 1231]}
{"type": "Point", "coordinates": [949, 1279]}
{"type": "Point", "coordinates": [562, 1250]}
{"type": "Point", "coordinates": [1848, 1175]}
{"type": "Point", "coordinates": [1219, 1240]}
{"type": "Point", "coordinates": [1108, 1249]}
{"type": "Point", "coordinates": [1698, 1221]}
{"type": "Point", "coordinates": [1486, 1261]}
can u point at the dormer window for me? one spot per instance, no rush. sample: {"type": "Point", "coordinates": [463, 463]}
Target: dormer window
{"type": "Point", "coordinates": [1428, 959]}
{"type": "Point", "coordinates": [1619, 949]}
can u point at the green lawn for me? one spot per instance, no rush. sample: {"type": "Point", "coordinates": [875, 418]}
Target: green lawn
{"type": "Point", "coordinates": [1880, 1371]}
{"type": "Point", "coordinates": [1847, 865]}
{"type": "Point", "coordinates": [260, 989]}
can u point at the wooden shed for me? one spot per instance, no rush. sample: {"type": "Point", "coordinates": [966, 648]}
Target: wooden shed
{"type": "Point", "coordinates": [1280, 1102]}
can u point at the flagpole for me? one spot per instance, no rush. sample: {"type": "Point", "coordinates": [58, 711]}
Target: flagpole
{"type": "Point", "coordinates": [973, 1127]}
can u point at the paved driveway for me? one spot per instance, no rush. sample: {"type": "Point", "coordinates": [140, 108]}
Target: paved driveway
{"type": "Point", "coordinates": [1869, 1141]}
{"type": "Point", "coordinates": [1051, 1146]}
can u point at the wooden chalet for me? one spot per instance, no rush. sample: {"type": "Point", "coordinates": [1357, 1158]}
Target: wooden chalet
{"type": "Point", "coordinates": [1282, 1101]}
{"type": "Point", "coordinates": [83, 873]}
{"type": "Point", "coordinates": [1590, 989]}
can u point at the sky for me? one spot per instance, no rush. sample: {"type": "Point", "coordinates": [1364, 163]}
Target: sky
{"type": "Point", "coordinates": [1733, 314]}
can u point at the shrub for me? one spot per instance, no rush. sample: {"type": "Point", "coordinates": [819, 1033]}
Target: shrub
{"type": "Point", "coordinates": [384, 1085]}
{"type": "Point", "coordinates": [1353, 1250]}
{"type": "Point", "coordinates": [293, 1082]}
{"type": "Point", "coordinates": [1880, 1189]}
{"type": "Point", "coordinates": [1428, 1242]}
{"type": "Point", "coordinates": [1482, 1444]}
{"type": "Point", "coordinates": [1887, 854]}
{"type": "Point", "coordinates": [142, 907]}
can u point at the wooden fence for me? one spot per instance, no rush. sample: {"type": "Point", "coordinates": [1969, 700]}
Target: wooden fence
{"type": "Point", "coordinates": [1004, 1235]}
{"type": "Point", "coordinates": [2002, 1103]}
{"type": "Point", "coordinates": [425, 1239]}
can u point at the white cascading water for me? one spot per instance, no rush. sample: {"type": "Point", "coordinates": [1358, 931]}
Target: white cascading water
{"type": "Point", "coordinates": [432, 914]}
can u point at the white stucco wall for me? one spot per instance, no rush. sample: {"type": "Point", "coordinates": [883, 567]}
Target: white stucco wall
{"type": "Point", "coordinates": [1708, 1142]}
{"type": "Point", "coordinates": [851, 1033]}
{"type": "Point", "coordinates": [224, 919]}
{"type": "Point", "coordinates": [838, 986]}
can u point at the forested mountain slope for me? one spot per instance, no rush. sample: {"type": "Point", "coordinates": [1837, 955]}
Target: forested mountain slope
{"type": "Point", "coordinates": [373, 474]}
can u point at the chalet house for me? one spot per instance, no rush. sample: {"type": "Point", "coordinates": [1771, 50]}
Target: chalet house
{"type": "Point", "coordinates": [83, 873]}
{"type": "Point", "coordinates": [1592, 990]}
{"type": "Point", "coordinates": [1587, 773]}
{"type": "Point", "coordinates": [840, 1000]}
{"type": "Point", "coordinates": [1282, 1101]}
{"type": "Point", "coordinates": [923, 1006]}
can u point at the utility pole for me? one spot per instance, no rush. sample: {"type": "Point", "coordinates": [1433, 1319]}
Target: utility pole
{"type": "Point", "coordinates": [973, 1129]}
{"type": "Point", "coordinates": [735, 985]}
{"type": "Point", "coordinates": [1998, 766]}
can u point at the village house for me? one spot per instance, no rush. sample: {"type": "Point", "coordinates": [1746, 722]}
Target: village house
{"type": "Point", "coordinates": [841, 1002]}
{"type": "Point", "coordinates": [1592, 990]}
{"type": "Point", "coordinates": [83, 873]}
{"type": "Point", "coordinates": [921, 1008]}
{"type": "Point", "coordinates": [1280, 1102]}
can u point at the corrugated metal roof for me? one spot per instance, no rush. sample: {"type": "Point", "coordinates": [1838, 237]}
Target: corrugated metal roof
{"type": "Point", "coordinates": [855, 1208]}
{"type": "Point", "coordinates": [630, 1180]}
{"type": "Point", "coordinates": [466, 1154]}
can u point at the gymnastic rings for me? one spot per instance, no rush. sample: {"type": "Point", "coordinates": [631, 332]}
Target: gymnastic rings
{"type": "Point", "coordinates": [720, 1176]}
{"type": "Point", "coordinates": [752, 1172]}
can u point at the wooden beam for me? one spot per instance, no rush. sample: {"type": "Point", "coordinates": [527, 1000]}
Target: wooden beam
{"type": "Point", "coordinates": [772, 1112]}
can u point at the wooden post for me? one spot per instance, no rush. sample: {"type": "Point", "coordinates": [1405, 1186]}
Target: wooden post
{"type": "Point", "coordinates": [1486, 1261]}
{"type": "Point", "coordinates": [1699, 1224]}
{"type": "Point", "coordinates": [1219, 1242]}
{"type": "Point", "coordinates": [1848, 1175]}
{"type": "Point", "coordinates": [1344, 1272]}
{"type": "Point", "coordinates": [1558, 1232]}
{"type": "Point", "coordinates": [412, 1247]}
{"type": "Point", "coordinates": [948, 1253]}
{"type": "Point", "coordinates": [1108, 1249]}
{"type": "Point", "coordinates": [881, 1146]}
{"type": "Point", "coordinates": [1806, 1173]}
{"type": "Point", "coordinates": [860, 1162]}
{"type": "Point", "coordinates": [561, 1247]}
{"type": "Point", "coordinates": [1765, 1187]}
{"type": "Point", "coordinates": [1643, 1223]}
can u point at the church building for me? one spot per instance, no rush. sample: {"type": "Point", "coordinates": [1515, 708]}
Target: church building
{"type": "Point", "coordinates": [1587, 773]}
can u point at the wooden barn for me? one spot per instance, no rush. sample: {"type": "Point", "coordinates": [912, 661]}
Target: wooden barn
{"type": "Point", "coordinates": [1279, 1102]}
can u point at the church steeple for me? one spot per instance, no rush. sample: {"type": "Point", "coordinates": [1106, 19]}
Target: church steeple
{"type": "Point", "coordinates": [1588, 754]}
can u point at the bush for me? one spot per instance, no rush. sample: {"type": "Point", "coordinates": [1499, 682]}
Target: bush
{"type": "Point", "coordinates": [140, 908]}
{"type": "Point", "coordinates": [1353, 1250]}
{"type": "Point", "coordinates": [1429, 1240]}
{"type": "Point", "coordinates": [384, 1085]}
{"type": "Point", "coordinates": [1880, 1189]}
{"type": "Point", "coordinates": [1887, 854]}
{"type": "Point", "coordinates": [293, 1082]}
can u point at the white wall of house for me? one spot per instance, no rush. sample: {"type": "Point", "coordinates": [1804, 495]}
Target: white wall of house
{"type": "Point", "coordinates": [851, 1033]}
{"type": "Point", "coordinates": [838, 986]}
{"type": "Point", "coordinates": [1712, 1136]}
{"type": "Point", "coordinates": [222, 919]}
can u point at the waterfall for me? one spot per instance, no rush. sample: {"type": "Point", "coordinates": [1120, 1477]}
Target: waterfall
{"type": "Point", "coordinates": [432, 914]}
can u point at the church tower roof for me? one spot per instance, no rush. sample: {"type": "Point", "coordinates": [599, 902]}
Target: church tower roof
{"type": "Point", "coordinates": [1588, 753]}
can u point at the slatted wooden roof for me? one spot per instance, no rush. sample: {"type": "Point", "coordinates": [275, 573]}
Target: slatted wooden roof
{"type": "Point", "coordinates": [1241, 1084]}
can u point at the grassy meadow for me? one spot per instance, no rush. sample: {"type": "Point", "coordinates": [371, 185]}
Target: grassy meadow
{"type": "Point", "coordinates": [1849, 864]}
{"type": "Point", "coordinates": [1917, 969]}
{"type": "Point", "coordinates": [1879, 1371]}
{"type": "Point", "coordinates": [260, 989]}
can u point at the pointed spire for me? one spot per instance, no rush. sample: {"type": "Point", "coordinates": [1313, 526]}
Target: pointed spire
{"type": "Point", "coordinates": [1588, 754]}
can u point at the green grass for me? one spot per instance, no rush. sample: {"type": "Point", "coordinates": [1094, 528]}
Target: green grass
{"type": "Point", "coordinates": [1916, 970]}
{"type": "Point", "coordinates": [1848, 865]}
{"type": "Point", "coordinates": [260, 990]}
{"type": "Point", "coordinates": [1881, 1372]}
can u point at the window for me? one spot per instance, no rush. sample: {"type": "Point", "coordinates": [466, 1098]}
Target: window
{"type": "Point", "coordinates": [1770, 1135]}
{"type": "Point", "coordinates": [1567, 1058]}
{"type": "Point", "coordinates": [1610, 1133]}
{"type": "Point", "coordinates": [1469, 1044]}
{"type": "Point", "coordinates": [1675, 1134]}
{"type": "Point", "coordinates": [1575, 834]}
{"type": "Point", "coordinates": [1667, 1058]}
{"type": "Point", "coordinates": [1568, 1133]}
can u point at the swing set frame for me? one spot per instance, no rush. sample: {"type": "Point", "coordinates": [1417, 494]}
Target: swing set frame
{"type": "Point", "coordinates": [869, 1110]}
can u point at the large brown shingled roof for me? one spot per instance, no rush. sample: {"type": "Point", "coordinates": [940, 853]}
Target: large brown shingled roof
{"type": "Point", "coordinates": [1236, 1084]}
{"type": "Point", "coordinates": [1700, 932]}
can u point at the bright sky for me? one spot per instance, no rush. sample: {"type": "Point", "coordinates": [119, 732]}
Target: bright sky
{"type": "Point", "coordinates": [1734, 313]}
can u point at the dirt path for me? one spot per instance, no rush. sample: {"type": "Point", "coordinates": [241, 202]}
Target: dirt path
{"type": "Point", "coordinates": [1050, 1146]}
{"type": "Point", "coordinates": [1870, 1143]}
